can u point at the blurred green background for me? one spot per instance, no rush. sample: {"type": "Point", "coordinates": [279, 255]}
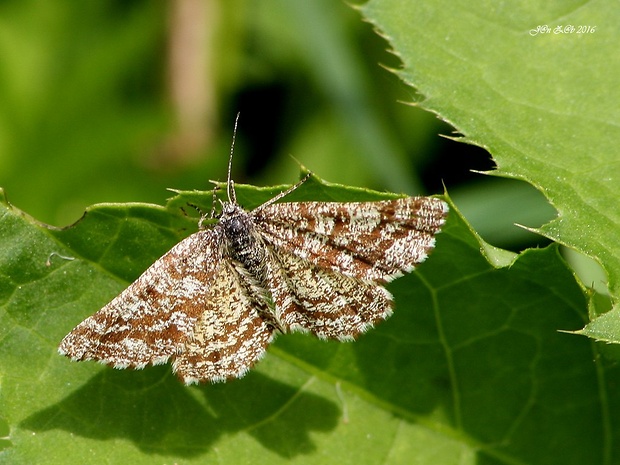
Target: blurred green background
{"type": "Point", "coordinates": [113, 101]}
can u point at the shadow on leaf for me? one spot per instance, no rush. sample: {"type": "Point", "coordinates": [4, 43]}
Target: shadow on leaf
{"type": "Point", "coordinates": [160, 416]}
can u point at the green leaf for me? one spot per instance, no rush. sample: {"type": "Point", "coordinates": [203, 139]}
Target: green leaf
{"type": "Point", "coordinates": [545, 105]}
{"type": "Point", "coordinates": [469, 369]}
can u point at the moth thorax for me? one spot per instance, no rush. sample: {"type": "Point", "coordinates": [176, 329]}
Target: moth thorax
{"type": "Point", "coordinates": [242, 240]}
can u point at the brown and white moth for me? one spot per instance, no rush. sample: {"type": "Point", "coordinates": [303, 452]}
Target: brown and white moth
{"type": "Point", "coordinates": [217, 299]}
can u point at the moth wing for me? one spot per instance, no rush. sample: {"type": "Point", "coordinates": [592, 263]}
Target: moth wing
{"type": "Point", "coordinates": [190, 305]}
{"type": "Point", "coordinates": [151, 320]}
{"type": "Point", "coordinates": [367, 240]}
{"type": "Point", "coordinates": [327, 303]}
{"type": "Point", "coordinates": [232, 333]}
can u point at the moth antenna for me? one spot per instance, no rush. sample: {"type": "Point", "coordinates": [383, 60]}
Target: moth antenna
{"type": "Point", "coordinates": [230, 189]}
{"type": "Point", "coordinates": [286, 192]}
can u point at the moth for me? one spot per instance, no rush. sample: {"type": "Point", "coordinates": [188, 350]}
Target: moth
{"type": "Point", "coordinates": [217, 299]}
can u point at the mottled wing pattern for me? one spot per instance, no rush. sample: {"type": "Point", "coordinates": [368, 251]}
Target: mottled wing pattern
{"type": "Point", "coordinates": [232, 333]}
{"type": "Point", "coordinates": [215, 300]}
{"type": "Point", "coordinates": [329, 304]}
{"type": "Point", "coordinates": [190, 305]}
{"type": "Point", "coordinates": [152, 319]}
{"type": "Point", "coordinates": [328, 260]}
{"type": "Point", "coordinates": [367, 240]}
